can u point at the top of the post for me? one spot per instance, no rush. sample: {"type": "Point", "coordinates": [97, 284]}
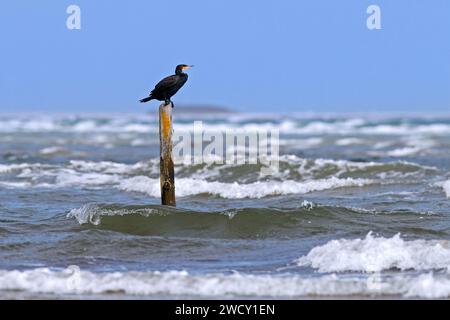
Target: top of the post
{"type": "Point", "coordinates": [166, 107]}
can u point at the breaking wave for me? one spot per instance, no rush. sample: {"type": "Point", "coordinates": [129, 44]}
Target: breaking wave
{"type": "Point", "coordinates": [232, 181]}
{"type": "Point", "coordinates": [291, 124]}
{"type": "Point", "coordinates": [305, 219]}
{"type": "Point", "coordinates": [165, 221]}
{"type": "Point", "coordinates": [183, 284]}
{"type": "Point", "coordinates": [446, 187]}
{"type": "Point", "coordinates": [376, 254]}
{"type": "Point", "coordinates": [256, 190]}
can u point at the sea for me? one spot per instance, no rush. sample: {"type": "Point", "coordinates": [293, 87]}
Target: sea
{"type": "Point", "coordinates": [359, 209]}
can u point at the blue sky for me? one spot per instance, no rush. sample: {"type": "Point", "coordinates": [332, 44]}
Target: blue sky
{"type": "Point", "coordinates": [269, 56]}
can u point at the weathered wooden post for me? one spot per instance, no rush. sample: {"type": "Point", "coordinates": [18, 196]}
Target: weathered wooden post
{"type": "Point", "coordinates": [167, 174]}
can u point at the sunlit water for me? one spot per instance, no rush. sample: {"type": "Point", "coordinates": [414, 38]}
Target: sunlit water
{"type": "Point", "coordinates": [359, 208]}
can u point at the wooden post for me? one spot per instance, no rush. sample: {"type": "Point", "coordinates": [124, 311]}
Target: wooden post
{"type": "Point", "coordinates": [167, 174]}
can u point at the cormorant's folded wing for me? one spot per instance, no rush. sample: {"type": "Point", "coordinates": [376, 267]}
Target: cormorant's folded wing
{"type": "Point", "coordinates": [167, 82]}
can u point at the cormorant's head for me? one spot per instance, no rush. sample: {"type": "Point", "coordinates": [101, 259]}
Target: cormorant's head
{"type": "Point", "coordinates": [182, 67]}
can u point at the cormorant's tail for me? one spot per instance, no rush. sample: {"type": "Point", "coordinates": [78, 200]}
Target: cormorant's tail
{"type": "Point", "coordinates": [146, 99]}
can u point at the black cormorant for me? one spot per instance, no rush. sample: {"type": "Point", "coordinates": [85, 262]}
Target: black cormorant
{"type": "Point", "coordinates": [168, 86]}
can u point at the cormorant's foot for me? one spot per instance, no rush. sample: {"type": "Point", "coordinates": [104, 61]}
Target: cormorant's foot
{"type": "Point", "coordinates": [166, 102]}
{"type": "Point", "coordinates": [173, 105]}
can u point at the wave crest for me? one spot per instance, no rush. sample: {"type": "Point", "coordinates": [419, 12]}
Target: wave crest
{"type": "Point", "coordinates": [256, 190]}
{"type": "Point", "coordinates": [183, 284]}
{"type": "Point", "coordinates": [376, 254]}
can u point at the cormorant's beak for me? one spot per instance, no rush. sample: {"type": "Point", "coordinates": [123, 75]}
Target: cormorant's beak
{"type": "Point", "coordinates": [187, 67]}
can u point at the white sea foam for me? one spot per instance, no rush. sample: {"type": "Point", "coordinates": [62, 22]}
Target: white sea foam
{"type": "Point", "coordinates": [183, 284]}
{"type": "Point", "coordinates": [191, 180]}
{"type": "Point", "coordinates": [382, 145]}
{"type": "Point", "coordinates": [87, 214]}
{"type": "Point", "coordinates": [429, 286]}
{"type": "Point", "coordinates": [349, 141]}
{"type": "Point", "coordinates": [75, 124]}
{"type": "Point", "coordinates": [113, 167]}
{"type": "Point", "coordinates": [152, 166]}
{"type": "Point", "coordinates": [6, 168]}
{"type": "Point", "coordinates": [446, 186]}
{"type": "Point", "coordinates": [92, 213]}
{"type": "Point", "coordinates": [345, 164]}
{"type": "Point", "coordinates": [413, 146]}
{"type": "Point", "coordinates": [318, 124]}
{"type": "Point", "coordinates": [188, 186]}
{"type": "Point", "coordinates": [375, 254]}
{"type": "Point", "coordinates": [315, 167]}
{"type": "Point", "coordinates": [405, 129]}
{"type": "Point", "coordinates": [15, 185]}
{"type": "Point", "coordinates": [300, 144]}
{"type": "Point", "coordinates": [72, 178]}
{"type": "Point", "coordinates": [402, 152]}
{"type": "Point", "coordinates": [75, 173]}
{"type": "Point", "coordinates": [52, 150]}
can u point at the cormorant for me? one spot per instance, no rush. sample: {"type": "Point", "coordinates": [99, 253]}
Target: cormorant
{"type": "Point", "coordinates": [168, 86]}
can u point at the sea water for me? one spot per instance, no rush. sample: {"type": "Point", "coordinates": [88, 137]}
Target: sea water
{"type": "Point", "coordinates": [358, 208]}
